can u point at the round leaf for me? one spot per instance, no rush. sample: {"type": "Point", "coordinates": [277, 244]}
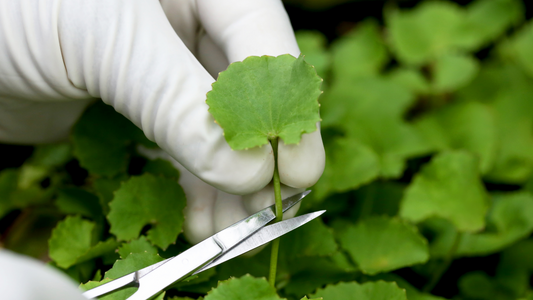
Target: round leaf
{"type": "Point", "coordinates": [380, 244]}
{"type": "Point", "coordinates": [266, 97]}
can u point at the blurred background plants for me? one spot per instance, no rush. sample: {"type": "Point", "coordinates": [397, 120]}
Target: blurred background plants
{"type": "Point", "coordinates": [427, 119]}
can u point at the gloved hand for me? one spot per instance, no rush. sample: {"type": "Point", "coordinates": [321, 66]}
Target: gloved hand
{"type": "Point", "coordinates": [24, 278]}
{"type": "Point", "coordinates": [57, 56]}
{"type": "Point", "coordinates": [154, 63]}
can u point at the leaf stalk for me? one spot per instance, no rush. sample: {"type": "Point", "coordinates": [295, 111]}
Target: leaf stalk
{"type": "Point", "coordinates": [279, 215]}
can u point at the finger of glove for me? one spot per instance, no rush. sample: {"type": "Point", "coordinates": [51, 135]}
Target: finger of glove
{"type": "Point", "coordinates": [245, 28]}
{"type": "Point", "coordinates": [265, 197]}
{"type": "Point", "coordinates": [262, 27]}
{"type": "Point", "coordinates": [24, 278]}
{"type": "Point", "coordinates": [127, 53]}
{"type": "Point", "coordinates": [228, 210]}
{"type": "Point", "coordinates": [211, 56]}
{"type": "Point", "coordinates": [301, 165]}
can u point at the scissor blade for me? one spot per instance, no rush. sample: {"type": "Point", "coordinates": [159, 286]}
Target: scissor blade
{"type": "Point", "coordinates": [263, 236]}
{"type": "Point", "coordinates": [134, 277]}
{"type": "Point", "coordinates": [206, 251]}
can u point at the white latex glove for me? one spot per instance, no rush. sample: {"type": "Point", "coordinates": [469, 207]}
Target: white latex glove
{"type": "Point", "coordinates": [149, 60]}
{"type": "Point", "coordinates": [24, 278]}
{"type": "Point", "coordinates": [57, 56]}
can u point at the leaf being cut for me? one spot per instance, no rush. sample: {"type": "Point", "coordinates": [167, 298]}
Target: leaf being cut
{"type": "Point", "coordinates": [73, 242]}
{"type": "Point", "coordinates": [246, 287]}
{"type": "Point", "coordinates": [265, 97]}
{"type": "Point", "coordinates": [148, 200]}
{"type": "Point", "coordinates": [378, 290]}
{"type": "Point", "coordinates": [448, 187]}
{"type": "Point", "coordinates": [380, 244]}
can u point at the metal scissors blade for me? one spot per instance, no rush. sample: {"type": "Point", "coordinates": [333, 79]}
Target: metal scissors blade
{"type": "Point", "coordinates": [155, 278]}
{"type": "Point", "coordinates": [263, 236]}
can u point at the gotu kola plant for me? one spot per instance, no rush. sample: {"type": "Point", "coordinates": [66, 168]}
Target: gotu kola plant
{"type": "Point", "coordinates": [261, 100]}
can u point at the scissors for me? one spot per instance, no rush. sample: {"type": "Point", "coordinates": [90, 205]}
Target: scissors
{"type": "Point", "coordinates": [232, 241]}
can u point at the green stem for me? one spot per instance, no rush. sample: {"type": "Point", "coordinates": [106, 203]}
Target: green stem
{"type": "Point", "coordinates": [279, 215]}
{"type": "Point", "coordinates": [444, 265]}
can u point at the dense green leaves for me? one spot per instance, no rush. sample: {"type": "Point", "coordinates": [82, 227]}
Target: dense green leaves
{"type": "Point", "coordinates": [101, 139]}
{"type": "Point", "coordinates": [244, 288]}
{"type": "Point", "coordinates": [265, 97]}
{"type": "Point", "coordinates": [470, 126]}
{"type": "Point", "coordinates": [148, 200]}
{"type": "Point", "coordinates": [359, 54]}
{"type": "Point", "coordinates": [428, 130]}
{"type": "Point", "coordinates": [370, 111]}
{"type": "Point", "coordinates": [379, 290]}
{"type": "Point", "coordinates": [448, 187]}
{"type": "Point", "coordinates": [380, 245]}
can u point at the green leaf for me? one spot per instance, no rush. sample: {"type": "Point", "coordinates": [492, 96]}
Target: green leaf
{"type": "Point", "coordinates": [448, 187]}
{"type": "Point", "coordinates": [148, 200]}
{"type": "Point", "coordinates": [313, 46]}
{"type": "Point", "coordinates": [305, 277]}
{"type": "Point", "coordinates": [370, 111]}
{"type": "Point", "coordinates": [515, 267]}
{"type": "Point", "coordinates": [478, 285]}
{"type": "Point", "coordinates": [284, 90]}
{"type": "Point", "coordinates": [411, 292]}
{"type": "Point", "coordinates": [514, 122]}
{"type": "Point", "coordinates": [78, 201]}
{"type": "Point", "coordinates": [313, 239]}
{"type": "Point", "coordinates": [380, 244]}
{"type": "Point", "coordinates": [132, 263]}
{"type": "Point", "coordinates": [101, 139]}
{"type": "Point", "coordinates": [452, 71]}
{"type": "Point", "coordinates": [465, 125]}
{"type": "Point", "coordinates": [411, 79]}
{"type": "Point", "coordinates": [487, 20]}
{"type": "Point", "coordinates": [161, 167]}
{"type": "Point", "coordinates": [72, 242]}
{"type": "Point", "coordinates": [425, 32]}
{"type": "Point", "coordinates": [246, 287]}
{"type": "Point", "coordinates": [360, 53]}
{"type": "Point", "coordinates": [510, 219]}
{"type": "Point", "coordinates": [140, 245]}
{"type": "Point", "coordinates": [350, 164]}
{"type": "Point", "coordinates": [51, 155]}
{"type": "Point", "coordinates": [523, 47]}
{"type": "Point", "coordinates": [378, 290]}
{"type": "Point", "coordinates": [378, 198]}
{"type": "Point", "coordinates": [105, 188]}
{"type": "Point", "coordinates": [13, 196]}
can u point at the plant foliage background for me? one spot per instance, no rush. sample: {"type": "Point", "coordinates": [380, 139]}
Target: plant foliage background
{"type": "Point", "coordinates": [427, 118]}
